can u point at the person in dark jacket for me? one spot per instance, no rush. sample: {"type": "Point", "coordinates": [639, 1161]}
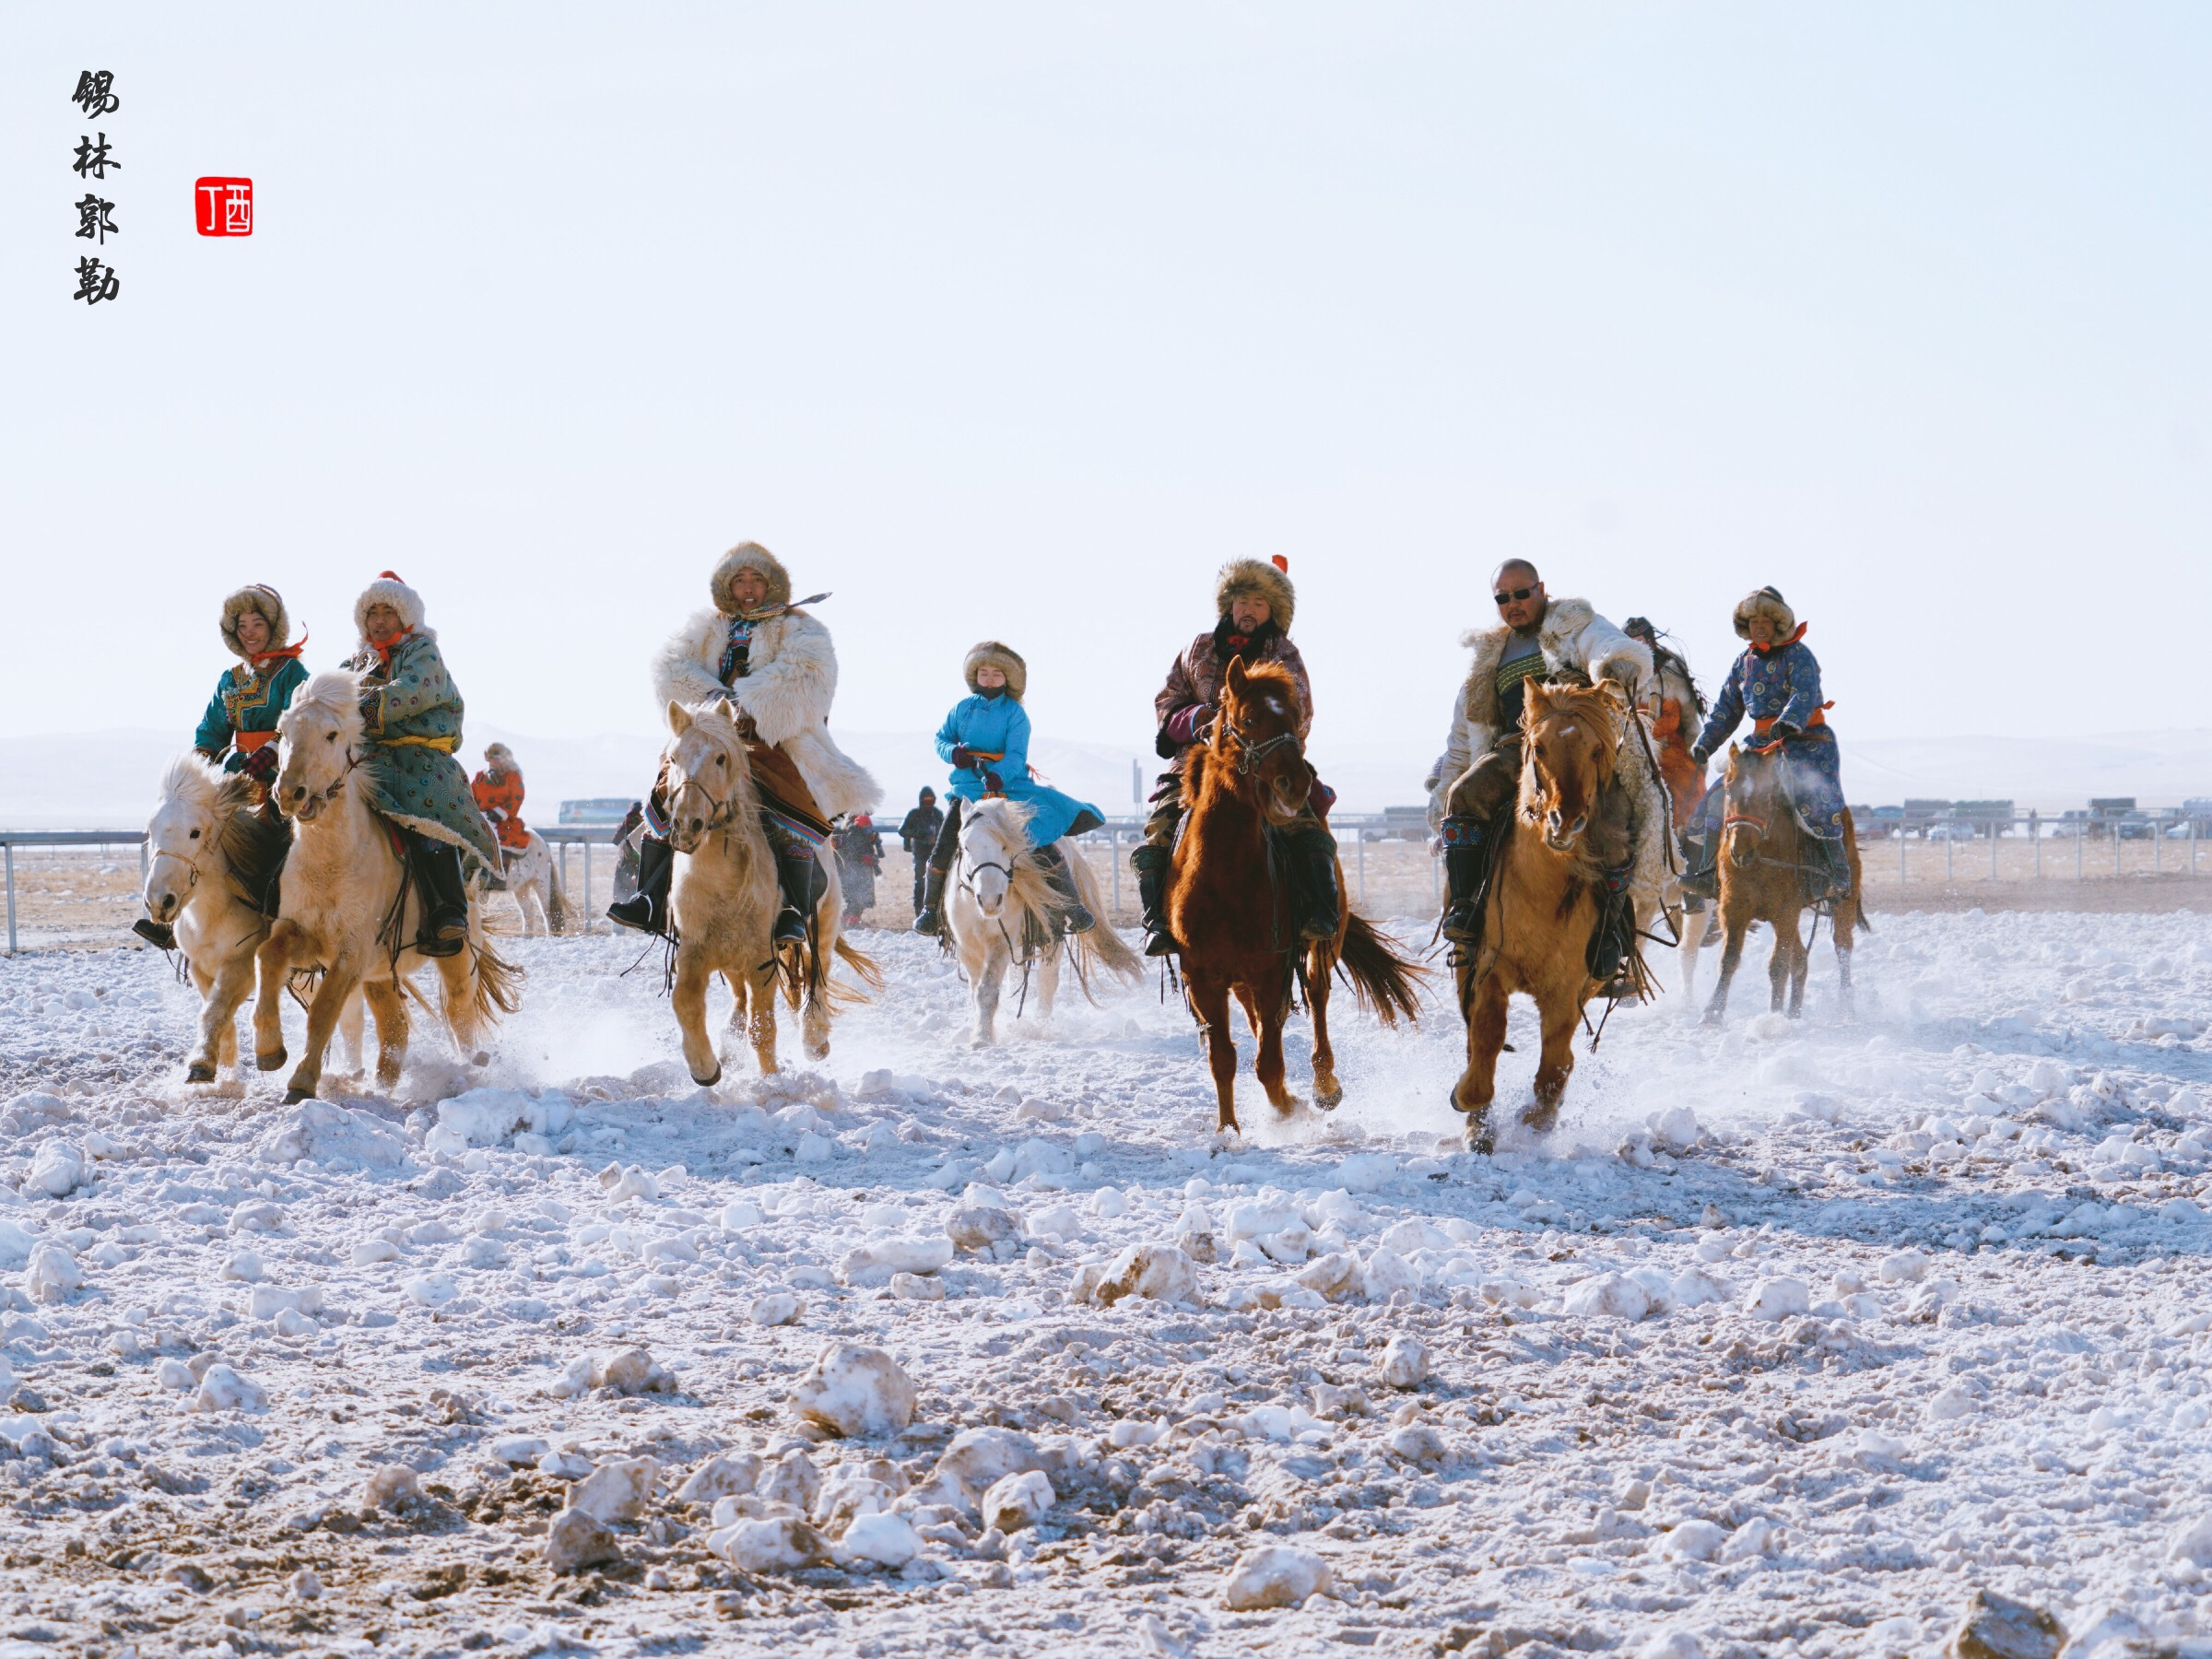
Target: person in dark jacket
{"type": "Point", "coordinates": [918, 833]}
{"type": "Point", "coordinates": [859, 855]}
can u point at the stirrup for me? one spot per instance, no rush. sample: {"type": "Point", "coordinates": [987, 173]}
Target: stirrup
{"type": "Point", "coordinates": [790, 929]}
{"type": "Point", "coordinates": [636, 911]}
{"type": "Point", "coordinates": [155, 932]}
{"type": "Point", "coordinates": [442, 938]}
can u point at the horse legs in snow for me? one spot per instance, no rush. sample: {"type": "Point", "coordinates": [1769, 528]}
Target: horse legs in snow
{"type": "Point", "coordinates": [1731, 958]}
{"type": "Point", "coordinates": [1321, 965]}
{"type": "Point", "coordinates": [273, 965]}
{"type": "Point", "coordinates": [350, 1021]}
{"type": "Point", "coordinates": [533, 908]}
{"type": "Point", "coordinates": [1693, 940]}
{"type": "Point", "coordinates": [1559, 1018]}
{"type": "Point", "coordinates": [989, 982]}
{"type": "Point", "coordinates": [457, 997]}
{"type": "Point", "coordinates": [1801, 964]}
{"type": "Point", "coordinates": [1209, 1001]}
{"type": "Point", "coordinates": [1048, 983]}
{"type": "Point", "coordinates": [388, 1004]}
{"type": "Point", "coordinates": [331, 998]}
{"type": "Point", "coordinates": [760, 993]}
{"type": "Point", "coordinates": [690, 1000]}
{"type": "Point", "coordinates": [220, 994]}
{"type": "Point", "coordinates": [1783, 969]}
{"type": "Point", "coordinates": [1266, 1021]}
{"type": "Point", "coordinates": [1477, 1086]}
{"type": "Point", "coordinates": [1843, 977]}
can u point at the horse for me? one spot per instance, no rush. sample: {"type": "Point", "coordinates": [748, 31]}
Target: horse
{"type": "Point", "coordinates": [346, 907]}
{"type": "Point", "coordinates": [208, 848]}
{"type": "Point", "coordinates": [1231, 916]}
{"type": "Point", "coordinates": [1762, 849]}
{"type": "Point", "coordinates": [1003, 911]}
{"type": "Point", "coordinates": [725, 900]}
{"type": "Point", "coordinates": [532, 877]}
{"type": "Point", "coordinates": [1544, 897]}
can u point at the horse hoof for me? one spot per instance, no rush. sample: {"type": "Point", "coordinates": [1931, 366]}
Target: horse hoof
{"type": "Point", "coordinates": [1480, 1138]}
{"type": "Point", "coordinates": [272, 1061]}
{"type": "Point", "coordinates": [1328, 1096]}
{"type": "Point", "coordinates": [479, 1058]}
{"type": "Point", "coordinates": [817, 1050]}
{"type": "Point", "coordinates": [199, 1071]}
{"type": "Point", "coordinates": [708, 1082]}
{"type": "Point", "coordinates": [292, 1097]}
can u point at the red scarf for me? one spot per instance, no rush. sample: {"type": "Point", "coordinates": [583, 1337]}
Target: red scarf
{"type": "Point", "coordinates": [1778, 644]}
{"type": "Point", "coordinates": [262, 658]}
{"type": "Point", "coordinates": [385, 651]}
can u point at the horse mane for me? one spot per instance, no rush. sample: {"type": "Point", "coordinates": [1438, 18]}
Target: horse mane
{"type": "Point", "coordinates": [337, 693]}
{"type": "Point", "coordinates": [715, 718]}
{"type": "Point", "coordinates": [1266, 679]}
{"type": "Point", "coordinates": [1025, 883]}
{"type": "Point", "coordinates": [192, 781]}
{"type": "Point", "coordinates": [1578, 697]}
{"type": "Point", "coordinates": [244, 837]}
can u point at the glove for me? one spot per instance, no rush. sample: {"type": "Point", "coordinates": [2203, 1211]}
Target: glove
{"type": "Point", "coordinates": [1781, 729]}
{"type": "Point", "coordinates": [1188, 722]}
{"type": "Point", "coordinates": [261, 765]}
{"type": "Point", "coordinates": [963, 756]}
{"type": "Point", "coordinates": [992, 782]}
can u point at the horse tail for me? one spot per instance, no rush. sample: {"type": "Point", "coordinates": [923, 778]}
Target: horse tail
{"type": "Point", "coordinates": [864, 968]}
{"type": "Point", "coordinates": [494, 983]}
{"type": "Point", "coordinates": [1101, 946]}
{"type": "Point", "coordinates": [1381, 978]}
{"type": "Point", "coordinates": [557, 895]}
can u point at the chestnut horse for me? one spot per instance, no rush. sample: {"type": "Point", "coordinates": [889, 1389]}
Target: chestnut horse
{"type": "Point", "coordinates": [1232, 918]}
{"type": "Point", "coordinates": [1762, 846]}
{"type": "Point", "coordinates": [1543, 897]}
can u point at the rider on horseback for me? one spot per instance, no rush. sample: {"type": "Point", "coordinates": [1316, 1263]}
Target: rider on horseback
{"type": "Point", "coordinates": [774, 664]}
{"type": "Point", "coordinates": [498, 793]}
{"type": "Point", "coordinates": [1256, 602]}
{"type": "Point", "coordinates": [240, 726]}
{"type": "Point", "coordinates": [1776, 682]}
{"type": "Point", "coordinates": [1474, 781]}
{"type": "Point", "coordinates": [986, 739]}
{"type": "Point", "coordinates": [412, 713]}
{"type": "Point", "coordinates": [1681, 709]}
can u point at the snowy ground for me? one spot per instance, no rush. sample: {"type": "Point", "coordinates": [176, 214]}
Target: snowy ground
{"type": "Point", "coordinates": [1789, 1340]}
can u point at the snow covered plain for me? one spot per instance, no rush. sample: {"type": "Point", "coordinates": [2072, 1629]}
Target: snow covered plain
{"type": "Point", "coordinates": [1789, 1341]}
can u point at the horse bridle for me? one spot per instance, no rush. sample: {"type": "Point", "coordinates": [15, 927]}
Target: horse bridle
{"type": "Point", "coordinates": [1249, 754]}
{"type": "Point", "coordinates": [720, 813]}
{"type": "Point", "coordinates": [322, 797]}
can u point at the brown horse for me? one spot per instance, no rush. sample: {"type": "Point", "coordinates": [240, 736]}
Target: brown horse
{"type": "Point", "coordinates": [1762, 847]}
{"type": "Point", "coordinates": [1233, 919]}
{"type": "Point", "coordinates": [1544, 899]}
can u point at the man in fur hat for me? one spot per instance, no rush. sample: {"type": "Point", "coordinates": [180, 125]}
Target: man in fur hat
{"type": "Point", "coordinates": [1255, 603]}
{"type": "Point", "coordinates": [1776, 684]}
{"type": "Point", "coordinates": [499, 792]}
{"type": "Point", "coordinates": [412, 714]}
{"type": "Point", "coordinates": [768, 657]}
{"type": "Point", "coordinates": [1479, 773]}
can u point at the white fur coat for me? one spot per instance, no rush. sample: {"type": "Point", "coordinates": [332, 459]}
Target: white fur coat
{"type": "Point", "coordinates": [791, 681]}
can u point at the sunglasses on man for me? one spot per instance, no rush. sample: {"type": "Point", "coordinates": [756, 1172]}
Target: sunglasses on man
{"type": "Point", "coordinates": [1506, 597]}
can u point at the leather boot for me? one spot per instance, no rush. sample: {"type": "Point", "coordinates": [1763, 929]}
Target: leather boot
{"type": "Point", "coordinates": [647, 910]}
{"type": "Point", "coordinates": [155, 932]}
{"type": "Point", "coordinates": [444, 901]}
{"type": "Point", "coordinates": [1467, 846]}
{"type": "Point", "coordinates": [802, 881]}
{"type": "Point", "coordinates": [1315, 895]}
{"type": "Point", "coordinates": [1150, 861]}
{"type": "Point", "coordinates": [930, 919]}
{"type": "Point", "coordinates": [1835, 866]}
{"type": "Point", "coordinates": [1070, 905]}
{"type": "Point", "coordinates": [1610, 939]}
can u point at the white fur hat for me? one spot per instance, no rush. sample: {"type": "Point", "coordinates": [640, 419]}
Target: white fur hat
{"type": "Point", "coordinates": [388, 589]}
{"type": "Point", "coordinates": [750, 555]}
{"type": "Point", "coordinates": [1260, 579]}
{"type": "Point", "coordinates": [1768, 602]}
{"type": "Point", "coordinates": [498, 752]}
{"type": "Point", "coordinates": [254, 596]}
{"type": "Point", "coordinates": [1006, 659]}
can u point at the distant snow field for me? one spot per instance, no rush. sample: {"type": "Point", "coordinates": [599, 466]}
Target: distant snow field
{"type": "Point", "coordinates": [1797, 1338]}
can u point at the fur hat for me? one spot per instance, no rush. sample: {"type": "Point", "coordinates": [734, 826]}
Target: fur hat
{"type": "Point", "coordinates": [748, 555]}
{"type": "Point", "coordinates": [1006, 659]}
{"type": "Point", "coordinates": [1768, 602]}
{"type": "Point", "coordinates": [499, 754]}
{"type": "Point", "coordinates": [269, 602]}
{"type": "Point", "coordinates": [1258, 578]}
{"type": "Point", "coordinates": [388, 589]}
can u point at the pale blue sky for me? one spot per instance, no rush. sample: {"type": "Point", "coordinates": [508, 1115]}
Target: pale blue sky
{"type": "Point", "coordinates": [1016, 320]}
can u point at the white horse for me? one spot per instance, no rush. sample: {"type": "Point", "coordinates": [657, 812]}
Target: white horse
{"type": "Point", "coordinates": [724, 901]}
{"type": "Point", "coordinates": [534, 881]}
{"type": "Point", "coordinates": [207, 837]}
{"type": "Point", "coordinates": [345, 906]}
{"type": "Point", "coordinates": [1004, 912]}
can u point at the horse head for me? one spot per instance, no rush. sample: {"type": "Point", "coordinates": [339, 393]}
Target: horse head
{"type": "Point", "coordinates": [709, 780]}
{"type": "Point", "coordinates": [1256, 740]}
{"type": "Point", "coordinates": [992, 840]}
{"type": "Point", "coordinates": [322, 734]}
{"type": "Point", "coordinates": [1752, 801]}
{"type": "Point", "coordinates": [183, 840]}
{"type": "Point", "coordinates": [1571, 735]}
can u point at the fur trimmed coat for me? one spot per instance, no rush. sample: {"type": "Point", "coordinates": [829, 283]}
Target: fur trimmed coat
{"type": "Point", "coordinates": [790, 681]}
{"type": "Point", "coordinates": [1195, 680]}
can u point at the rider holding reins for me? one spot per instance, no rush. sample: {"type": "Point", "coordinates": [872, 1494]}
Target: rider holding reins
{"type": "Point", "coordinates": [1256, 603]}
{"type": "Point", "coordinates": [985, 740]}
{"type": "Point", "coordinates": [1776, 683]}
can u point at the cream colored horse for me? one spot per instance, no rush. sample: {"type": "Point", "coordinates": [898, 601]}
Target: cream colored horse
{"type": "Point", "coordinates": [205, 829]}
{"type": "Point", "coordinates": [346, 907]}
{"type": "Point", "coordinates": [1002, 912]}
{"type": "Point", "coordinates": [534, 882]}
{"type": "Point", "coordinates": [725, 900]}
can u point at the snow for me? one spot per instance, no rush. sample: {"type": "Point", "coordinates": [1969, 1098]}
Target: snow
{"type": "Point", "coordinates": [1792, 1337]}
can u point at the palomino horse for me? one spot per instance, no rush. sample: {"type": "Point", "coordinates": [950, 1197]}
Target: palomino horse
{"type": "Point", "coordinates": [1544, 900]}
{"type": "Point", "coordinates": [346, 907]}
{"type": "Point", "coordinates": [207, 845]}
{"type": "Point", "coordinates": [532, 877]}
{"type": "Point", "coordinates": [726, 899]}
{"type": "Point", "coordinates": [1004, 912]}
{"type": "Point", "coordinates": [1232, 919]}
{"type": "Point", "coordinates": [1762, 846]}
